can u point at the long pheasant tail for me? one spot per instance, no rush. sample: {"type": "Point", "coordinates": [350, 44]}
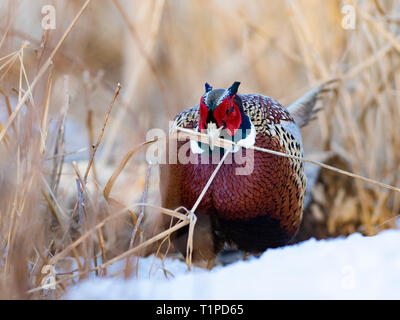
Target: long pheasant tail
{"type": "Point", "coordinates": [303, 109]}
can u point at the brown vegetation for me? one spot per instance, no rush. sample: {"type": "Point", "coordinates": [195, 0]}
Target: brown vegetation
{"type": "Point", "coordinates": [72, 169]}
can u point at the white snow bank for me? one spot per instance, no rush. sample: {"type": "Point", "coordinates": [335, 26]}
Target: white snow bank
{"type": "Point", "coordinates": [355, 267]}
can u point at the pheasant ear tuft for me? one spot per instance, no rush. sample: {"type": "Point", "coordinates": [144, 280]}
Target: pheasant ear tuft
{"type": "Point", "coordinates": [208, 87]}
{"type": "Point", "coordinates": [234, 88]}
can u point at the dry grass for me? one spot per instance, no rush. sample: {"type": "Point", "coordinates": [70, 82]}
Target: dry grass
{"type": "Point", "coordinates": [80, 216]}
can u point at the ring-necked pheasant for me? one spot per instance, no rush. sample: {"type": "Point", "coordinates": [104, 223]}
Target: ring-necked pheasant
{"type": "Point", "coordinates": [255, 211]}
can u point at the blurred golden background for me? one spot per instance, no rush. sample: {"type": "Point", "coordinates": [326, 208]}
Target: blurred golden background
{"type": "Point", "coordinates": [162, 53]}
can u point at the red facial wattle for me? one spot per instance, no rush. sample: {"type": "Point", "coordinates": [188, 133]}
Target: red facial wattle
{"type": "Point", "coordinates": [228, 115]}
{"type": "Point", "coordinates": [203, 115]}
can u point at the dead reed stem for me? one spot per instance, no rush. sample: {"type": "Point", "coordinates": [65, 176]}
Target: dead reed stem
{"type": "Point", "coordinates": [45, 113]}
{"type": "Point", "coordinates": [223, 143]}
{"type": "Point", "coordinates": [359, 128]}
{"type": "Point", "coordinates": [41, 72]}
{"type": "Point", "coordinates": [138, 221]}
{"type": "Point", "coordinates": [96, 146]}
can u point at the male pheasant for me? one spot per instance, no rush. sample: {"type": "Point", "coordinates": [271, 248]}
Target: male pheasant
{"type": "Point", "coordinates": [253, 211]}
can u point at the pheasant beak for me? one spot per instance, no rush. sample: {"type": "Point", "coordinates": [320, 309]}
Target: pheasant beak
{"type": "Point", "coordinates": [213, 134]}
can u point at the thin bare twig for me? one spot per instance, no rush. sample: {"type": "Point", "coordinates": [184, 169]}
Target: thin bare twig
{"type": "Point", "coordinates": [41, 71]}
{"type": "Point", "coordinates": [139, 220]}
{"type": "Point", "coordinates": [144, 200]}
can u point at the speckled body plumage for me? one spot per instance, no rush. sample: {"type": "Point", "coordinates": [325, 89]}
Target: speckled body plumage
{"type": "Point", "coordinates": [252, 212]}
